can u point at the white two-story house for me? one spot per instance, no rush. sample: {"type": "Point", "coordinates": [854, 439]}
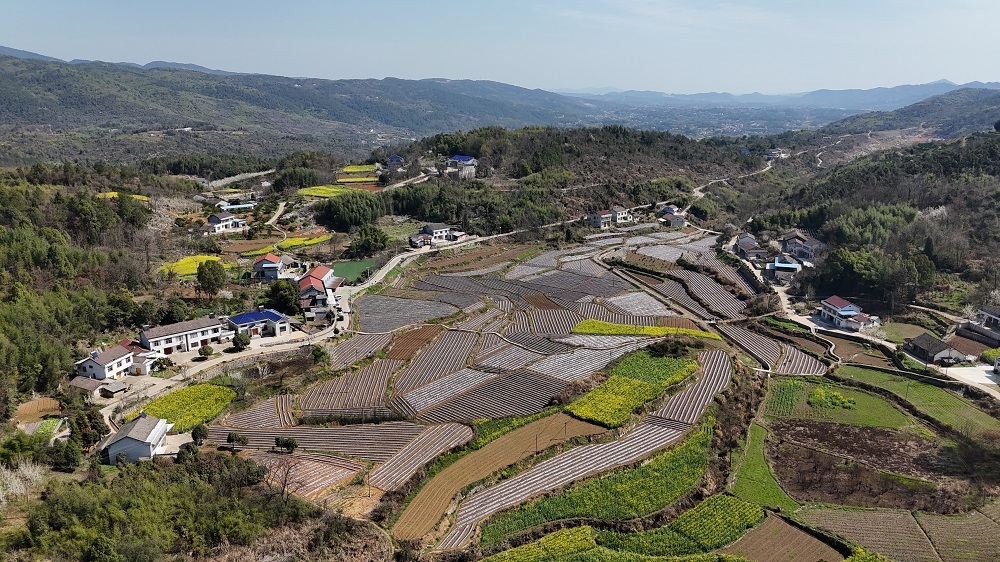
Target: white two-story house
{"type": "Point", "coordinates": [113, 363]}
{"type": "Point", "coordinates": [184, 336]}
{"type": "Point", "coordinates": [846, 315]}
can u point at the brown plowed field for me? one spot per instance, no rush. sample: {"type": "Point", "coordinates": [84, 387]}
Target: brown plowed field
{"type": "Point", "coordinates": [430, 504]}
{"type": "Point", "coordinates": [541, 302]}
{"type": "Point", "coordinates": [852, 352]}
{"type": "Point", "coordinates": [407, 345]}
{"type": "Point", "coordinates": [776, 540]}
{"type": "Point", "coordinates": [36, 409]}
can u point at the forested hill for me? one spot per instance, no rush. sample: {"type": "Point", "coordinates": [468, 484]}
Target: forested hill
{"type": "Point", "coordinates": [36, 92]}
{"type": "Point", "coordinates": [949, 115]}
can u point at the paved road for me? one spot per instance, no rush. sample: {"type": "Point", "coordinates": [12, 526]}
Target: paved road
{"type": "Point", "coordinates": [277, 214]}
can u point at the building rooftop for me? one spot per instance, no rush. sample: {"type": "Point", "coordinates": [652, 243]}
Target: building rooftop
{"type": "Point", "coordinates": [313, 282]}
{"type": "Point", "coordinates": [268, 258]}
{"type": "Point", "coordinates": [928, 344]}
{"type": "Point", "coordinates": [437, 226]}
{"type": "Point", "coordinates": [838, 302]}
{"type": "Point", "coordinates": [461, 158]}
{"type": "Point", "coordinates": [142, 428]}
{"type": "Point", "coordinates": [86, 383]}
{"type": "Point", "coordinates": [181, 327]}
{"type": "Point", "coordinates": [619, 209]}
{"type": "Point", "coordinates": [257, 316]}
{"type": "Point", "coordinates": [319, 272]}
{"type": "Point", "coordinates": [222, 216]}
{"type": "Point", "coordinates": [991, 310]}
{"type": "Point", "coordinates": [110, 355]}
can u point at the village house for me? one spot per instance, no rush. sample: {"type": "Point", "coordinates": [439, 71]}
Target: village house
{"type": "Point", "coordinates": [142, 358]}
{"type": "Point", "coordinates": [671, 210]}
{"type": "Point", "coordinates": [395, 162]}
{"type": "Point", "coordinates": [184, 336]}
{"type": "Point", "coordinates": [984, 327]}
{"type": "Point", "coordinates": [261, 322]}
{"type": "Point", "coordinates": [846, 315]}
{"type": "Point", "coordinates": [430, 233]}
{"type": "Point", "coordinates": [621, 215]}
{"type": "Point", "coordinates": [142, 438]}
{"type": "Point", "coordinates": [314, 289]}
{"type": "Point", "coordinates": [673, 221]}
{"type": "Point", "coordinates": [113, 363]}
{"type": "Point", "coordinates": [601, 219]}
{"type": "Point", "coordinates": [268, 267]}
{"type": "Point", "coordinates": [932, 350]}
{"type": "Point", "coordinates": [461, 167]}
{"type": "Point", "coordinates": [801, 245]}
{"type": "Point", "coordinates": [88, 386]}
{"type": "Point", "coordinates": [748, 249]}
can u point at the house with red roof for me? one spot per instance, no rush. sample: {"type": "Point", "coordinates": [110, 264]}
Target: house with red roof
{"type": "Point", "coordinates": [846, 315]}
{"type": "Point", "coordinates": [313, 291]}
{"type": "Point", "coordinates": [268, 267]}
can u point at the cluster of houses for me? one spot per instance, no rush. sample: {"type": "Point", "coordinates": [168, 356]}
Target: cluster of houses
{"type": "Point", "coordinates": [460, 167]}
{"type": "Point", "coordinates": [315, 285]}
{"type": "Point", "coordinates": [607, 218]}
{"type": "Point", "coordinates": [798, 250]}
{"type": "Point", "coordinates": [239, 201]}
{"type": "Point", "coordinates": [434, 233]}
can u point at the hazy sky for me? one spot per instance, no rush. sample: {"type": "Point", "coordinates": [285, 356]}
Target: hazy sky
{"type": "Point", "coordinates": [776, 46]}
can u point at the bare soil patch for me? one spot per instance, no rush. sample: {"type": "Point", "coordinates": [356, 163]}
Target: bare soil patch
{"type": "Point", "coordinates": [541, 302]}
{"type": "Point", "coordinates": [407, 345]}
{"type": "Point", "coordinates": [36, 409]}
{"type": "Point", "coordinates": [804, 343]}
{"type": "Point", "coordinates": [852, 352]}
{"type": "Point", "coordinates": [776, 540]}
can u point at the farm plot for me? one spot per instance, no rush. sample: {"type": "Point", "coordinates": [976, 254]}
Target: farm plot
{"type": "Point", "coordinates": [491, 343]}
{"type": "Point", "coordinates": [710, 292]}
{"type": "Point", "coordinates": [755, 481]}
{"type": "Point", "coordinates": [478, 321]}
{"type": "Point", "coordinates": [189, 406]}
{"type": "Point", "coordinates": [35, 410]}
{"type": "Point", "coordinates": [789, 398]}
{"type": "Point", "coordinates": [538, 344]}
{"type": "Point", "coordinates": [640, 304]}
{"type": "Point", "coordinates": [582, 363]}
{"type": "Point", "coordinates": [372, 442]}
{"type": "Point", "coordinates": [273, 412]}
{"type": "Point", "coordinates": [447, 355]}
{"type": "Point", "coordinates": [384, 314]}
{"type": "Point", "coordinates": [895, 534]}
{"type": "Point", "coordinates": [602, 242]}
{"type": "Point", "coordinates": [725, 271]}
{"type": "Point", "coordinates": [689, 404]}
{"type": "Point", "coordinates": [433, 499]}
{"type": "Point", "coordinates": [555, 281]}
{"type": "Point", "coordinates": [596, 311]}
{"type": "Point", "coordinates": [481, 271]}
{"type": "Point", "coordinates": [448, 283]}
{"type": "Point", "coordinates": [425, 397]}
{"type": "Point", "coordinates": [665, 252]}
{"type": "Point", "coordinates": [516, 394]}
{"type": "Point", "coordinates": [503, 303]}
{"type": "Point", "coordinates": [554, 322]}
{"type": "Point", "coordinates": [403, 465]}
{"type": "Point", "coordinates": [352, 395]}
{"type": "Point", "coordinates": [795, 362]}
{"type": "Point", "coordinates": [508, 358]}
{"type": "Point", "coordinates": [520, 271]}
{"type": "Point", "coordinates": [962, 538]}
{"type": "Point", "coordinates": [307, 474]}
{"type": "Point", "coordinates": [519, 322]}
{"type": "Point", "coordinates": [583, 267]}
{"type": "Point", "coordinates": [774, 539]}
{"type": "Point", "coordinates": [541, 302]}
{"type": "Point", "coordinates": [853, 352]}
{"type": "Point", "coordinates": [359, 346]}
{"type": "Point", "coordinates": [598, 342]}
{"type": "Point", "coordinates": [764, 349]}
{"type": "Point", "coordinates": [677, 293]}
{"type": "Point", "coordinates": [406, 345]}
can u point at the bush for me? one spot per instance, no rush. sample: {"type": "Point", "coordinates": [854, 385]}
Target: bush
{"type": "Point", "coordinates": [990, 355]}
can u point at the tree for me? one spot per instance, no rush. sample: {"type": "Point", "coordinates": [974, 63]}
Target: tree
{"type": "Point", "coordinates": [199, 433]}
{"type": "Point", "coordinates": [319, 354]}
{"type": "Point", "coordinates": [289, 444]}
{"type": "Point", "coordinates": [368, 240]}
{"type": "Point", "coordinates": [206, 351]}
{"type": "Point", "coordinates": [241, 341]}
{"type": "Point", "coordinates": [211, 277]}
{"type": "Point", "coordinates": [283, 296]}
{"type": "Point", "coordinates": [235, 439]}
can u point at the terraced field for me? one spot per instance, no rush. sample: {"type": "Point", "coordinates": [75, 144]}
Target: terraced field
{"type": "Point", "coordinates": [406, 345]}
{"type": "Point", "coordinates": [895, 534]}
{"type": "Point", "coordinates": [554, 322]}
{"type": "Point", "coordinates": [764, 349]}
{"type": "Point", "coordinates": [273, 412]}
{"type": "Point", "coordinates": [447, 355]}
{"type": "Point", "coordinates": [436, 440]}
{"type": "Point", "coordinates": [352, 395]}
{"type": "Point", "coordinates": [508, 357]}
{"type": "Point", "coordinates": [372, 442]}
{"type": "Point", "coordinates": [639, 304]}
{"type": "Point", "coordinates": [359, 346]}
{"type": "Point", "coordinates": [385, 314]}
{"type": "Point", "coordinates": [677, 293]}
{"type": "Point", "coordinates": [429, 505]}
{"type": "Point", "coordinates": [710, 292]}
{"type": "Point", "coordinates": [411, 403]}
{"type": "Point", "coordinates": [795, 362]}
{"type": "Point", "coordinates": [516, 394]}
{"type": "Point", "coordinates": [774, 539]}
{"type": "Point", "coordinates": [307, 474]}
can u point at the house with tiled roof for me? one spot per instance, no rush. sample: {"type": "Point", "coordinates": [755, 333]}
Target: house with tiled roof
{"type": "Point", "coordinates": [268, 267]}
{"type": "Point", "coordinates": [601, 219]}
{"type": "Point", "coordinates": [142, 438]}
{"type": "Point", "coordinates": [846, 315]}
{"type": "Point", "coordinates": [184, 336]}
{"type": "Point", "coordinates": [112, 363]}
{"type": "Point", "coordinates": [801, 245]}
{"type": "Point", "coordinates": [932, 350]}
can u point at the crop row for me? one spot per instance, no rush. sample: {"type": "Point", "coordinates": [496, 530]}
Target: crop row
{"type": "Point", "coordinates": [518, 322]}
{"type": "Point", "coordinates": [795, 362]}
{"type": "Point", "coordinates": [711, 293]}
{"type": "Point", "coordinates": [640, 304]}
{"type": "Point", "coordinates": [763, 348]}
{"type": "Point", "coordinates": [293, 243]}
{"type": "Point", "coordinates": [307, 475]}
{"type": "Point", "coordinates": [582, 267]}
{"type": "Point", "coordinates": [438, 391]}
{"type": "Point", "coordinates": [429, 444]}
{"type": "Point", "coordinates": [594, 311]}
{"type": "Point", "coordinates": [893, 533]}
{"type": "Point", "coordinates": [359, 346]}
{"type": "Point", "coordinates": [508, 358]}
{"type": "Point", "coordinates": [603, 286]}
{"type": "Point", "coordinates": [677, 293]}
{"type": "Point", "coordinates": [351, 392]}
{"type": "Point", "coordinates": [725, 271]}
{"type": "Point", "coordinates": [476, 322]}
{"type": "Point", "coordinates": [597, 327]}
{"type": "Point", "coordinates": [538, 344]}
{"type": "Point", "coordinates": [385, 314]}
{"type": "Point", "coordinates": [555, 546]}
{"type": "Point", "coordinates": [554, 322]}
{"type": "Point", "coordinates": [273, 412]}
{"type": "Point", "coordinates": [406, 345]}
{"type": "Point", "coordinates": [718, 521]}
{"type": "Point", "coordinates": [689, 404]}
{"type": "Point", "coordinates": [597, 342]}
{"type": "Point", "coordinates": [491, 343]}
{"type": "Point", "coordinates": [582, 363]}
{"type": "Point", "coordinates": [515, 394]}
{"type": "Point", "coordinates": [447, 355]}
{"type": "Point", "coordinates": [189, 406]}
{"type": "Point", "coordinates": [373, 442]}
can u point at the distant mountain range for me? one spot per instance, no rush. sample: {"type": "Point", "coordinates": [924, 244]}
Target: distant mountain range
{"type": "Point", "coordinates": [949, 115]}
{"type": "Point", "coordinates": [53, 109]}
{"type": "Point", "coordinates": [874, 99]}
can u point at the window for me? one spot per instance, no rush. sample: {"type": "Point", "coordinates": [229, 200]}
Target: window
{"type": "Point", "coordinates": [109, 368]}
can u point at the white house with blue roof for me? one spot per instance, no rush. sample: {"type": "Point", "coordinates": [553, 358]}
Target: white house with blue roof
{"type": "Point", "coordinates": [461, 167]}
{"type": "Point", "coordinates": [261, 322]}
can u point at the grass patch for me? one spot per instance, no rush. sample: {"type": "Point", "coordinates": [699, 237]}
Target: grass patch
{"type": "Point", "coordinates": [936, 402]}
{"type": "Point", "coordinates": [754, 480]}
{"type": "Point", "coordinates": [47, 428]}
{"type": "Point", "coordinates": [624, 494]}
{"type": "Point", "coordinates": [189, 265]}
{"type": "Point", "coordinates": [898, 332]}
{"type": "Point", "coordinates": [303, 242]}
{"type": "Point", "coordinates": [786, 325]}
{"type": "Point", "coordinates": [351, 271]}
{"type": "Point", "coordinates": [189, 406]}
{"type": "Point", "coordinates": [601, 328]}
{"type": "Point", "coordinates": [324, 191]}
{"type": "Point", "coordinates": [637, 379]}
{"type": "Point", "coordinates": [550, 547]}
{"type": "Point", "coordinates": [794, 398]}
